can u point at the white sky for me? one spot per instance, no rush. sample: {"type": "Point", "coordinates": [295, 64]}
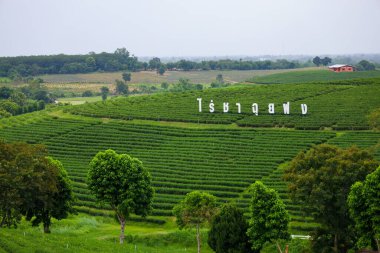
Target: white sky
{"type": "Point", "coordinates": [190, 27]}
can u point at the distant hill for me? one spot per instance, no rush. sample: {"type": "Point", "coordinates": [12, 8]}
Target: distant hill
{"type": "Point", "coordinates": [312, 76]}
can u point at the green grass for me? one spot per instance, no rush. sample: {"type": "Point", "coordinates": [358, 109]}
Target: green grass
{"type": "Point", "coordinates": [320, 75]}
{"type": "Point", "coordinates": [5, 80]}
{"type": "Point", "coordinates": [85, 233]}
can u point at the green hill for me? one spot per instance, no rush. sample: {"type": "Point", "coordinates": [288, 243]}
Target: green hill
{"type": "Point", "coordinates": [322, 75]}
{"type": "Point", "coordinates": [185, 154]}
{"type": "Point", "coordinates": [339, 106]}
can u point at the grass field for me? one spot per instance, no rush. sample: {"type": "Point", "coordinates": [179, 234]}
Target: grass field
{"type": "Point", "coordinates": [4, 80]}
{"type": "Point", "coordinates": [316, 75]}
{"type": "Point", "coordinates": [84, 233]}
{"type": "Point", "coordinates": [80, 100]}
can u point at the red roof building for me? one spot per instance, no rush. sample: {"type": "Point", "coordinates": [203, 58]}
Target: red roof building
{"type": "Point", "coordinates": [342, 68]}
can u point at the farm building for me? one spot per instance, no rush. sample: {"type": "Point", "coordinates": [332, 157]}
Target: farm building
{"type": "Point", "coordinates": [342, 68]}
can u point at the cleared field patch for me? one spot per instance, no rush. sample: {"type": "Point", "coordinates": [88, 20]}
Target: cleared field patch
{"type": "Point", "coordinates": [151, 77]}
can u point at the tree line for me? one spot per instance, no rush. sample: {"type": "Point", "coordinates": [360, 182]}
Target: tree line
{"type": "Point", "coordinates": [362, 65]}
{"type": "Point", "coordinates": [29, 98]}
{"type": "Point", "coordinates": [120, 60]}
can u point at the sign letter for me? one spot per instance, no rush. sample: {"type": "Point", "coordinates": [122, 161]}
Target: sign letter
{"type": "Point", "coordinates": [286, 107]}
{"type": "Point", "coordinates": [226, 107]}
{"type": "Point", "coordinates": [239, 107]}
{"type": "Point", "coordinates": [304, 109]}
{"type": "Point", "coordinates": [271, 108]}
{"type": "Point", "coordinates": [255, 109]}
{"type": "Point", "coordinates": [200, 104]}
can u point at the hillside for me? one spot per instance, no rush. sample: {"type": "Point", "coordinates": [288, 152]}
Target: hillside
{"type": "Point", "coordinates": [349, 103]}
{"type": "Point", "coordinates": [183, 154]}
{"type": "Point", "coordinates": [319, 75]}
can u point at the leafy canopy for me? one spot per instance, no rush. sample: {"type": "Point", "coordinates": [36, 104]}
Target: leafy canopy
{"type": "Point", "coordinates": [320, 180]}
{"type": "Point", "coordinates": [197, 208]}
{"type": "Point", "coordinates": [269, 219]}
{"type": "Point", "coordinates": [364, 207]}
{"type": "Point", "coordinates": [122, 182]}
{"type": "Point", "coordinates": [228, 232]}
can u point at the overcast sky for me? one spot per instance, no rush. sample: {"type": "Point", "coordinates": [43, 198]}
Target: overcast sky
{"type": "Point", "coordinates": [190, 27]}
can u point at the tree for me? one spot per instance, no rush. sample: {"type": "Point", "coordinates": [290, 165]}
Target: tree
{"type": "Point", "coordinates": [87, 93]}
{"type": "Point", "coordinates": [161, 70]}
{"type": "Point", "coordinates": [104, 91]}
{"type": "Point", "coordinates": [228, 232]}
{"type": "Point", "coordinates": [164, 85]}
{"type": "Point", "coordinates": [52, 204]}
{"type": "Point", "coordinates": [31, 184]}
{"type": "Point", "coordinates": [268, 217]}
{"type": "Point", "coordinates": [5, 92]}
{"type": "Point", "coordinates": [9, 106]}
{"type": "Point", "coordinates": [19, 98]}
{"type": "Point", "coordinates": [121, 88]}
{"type": "Point", "coordinates": [317, 61]}
{"type": "Point", "coordinates": [126, 76]}
{"type": "Point", "coordinates": [320, 180]}
{"type": "Point", "coordinates": [364, 207]}
{"type": "Point", "coordinates": [122, 182]}
{"type": "Point", "coordinates": [195, 210]}
{"type": "Point", "coordinates": [325, 61]}
{"type": "Point", "coordinates": [364, 65]}
{"type": "Point", "coordinates": [155, 63]}
{"type": "Point", "coordinates": [219, 78]}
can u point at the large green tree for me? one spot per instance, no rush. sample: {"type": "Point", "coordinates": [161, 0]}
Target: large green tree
{"type": "Point", "coordinates": [195, 210]}
{"type": "Point", "coordinates": [228, 232]}
{"type": "Point", "coordinates": [122, 182]}
{"type": "Point", "coordinates": [269, 219]}
{"type": "Point", "coordinates": [364, 207]}
{"type": "Point", "coordinates": [33, 184]}
{"type": "Point", "coordinates": [320, 180]}
{"type": "Point", "coordinates": [52, 204]}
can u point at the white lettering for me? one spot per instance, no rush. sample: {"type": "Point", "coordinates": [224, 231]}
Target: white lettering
{"type": "Point", "coordinates": [211, 106]}
{"type": "Point", "coordinates": [304, 109]}
{"type": "Point", "coordinates": [271, 108]}
{"type": "Point", "coordinates": [226, 107]}
{"type": "Point", "coordinates": [255, 109]}
{"type": "Point", "coordinates": [200, 104]}
{"type": "Point", "coordinates": [286, 107]}
{"type": "Point", "coordinates": [239, 107]}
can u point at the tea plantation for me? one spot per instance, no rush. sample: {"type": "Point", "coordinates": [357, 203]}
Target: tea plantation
{"type": "Point", "coordinates": [350, 104]}
{"type": "Point", "coordinates": [222, 158]}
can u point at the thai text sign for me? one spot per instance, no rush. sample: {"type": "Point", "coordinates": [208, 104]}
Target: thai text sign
{"type": "Point", "coordinates": [254, 108]}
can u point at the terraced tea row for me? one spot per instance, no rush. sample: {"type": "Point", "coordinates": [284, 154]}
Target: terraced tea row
{"type": "Point", "coordinates": [335, 106]}
{"type": "Point", "coordinates": [220, 161]}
